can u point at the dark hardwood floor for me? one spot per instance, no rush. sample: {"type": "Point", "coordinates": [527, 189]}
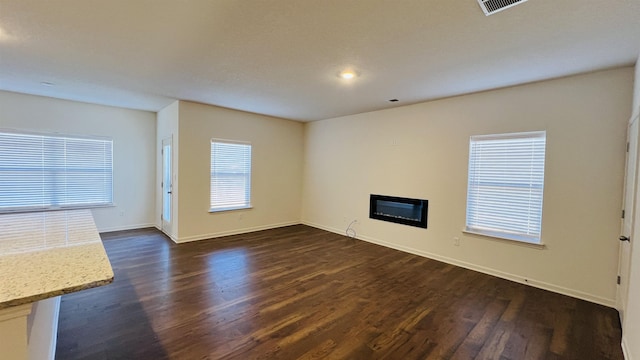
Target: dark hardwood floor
{"type": "Point", "coordinates": [303, 293]}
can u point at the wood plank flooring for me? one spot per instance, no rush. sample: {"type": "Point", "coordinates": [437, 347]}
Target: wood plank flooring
{"type": "Point", "coordinates": [303, 293]}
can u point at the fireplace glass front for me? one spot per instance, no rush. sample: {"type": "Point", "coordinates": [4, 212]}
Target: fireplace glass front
{"type": "Point", "coordinates": [399, 210]}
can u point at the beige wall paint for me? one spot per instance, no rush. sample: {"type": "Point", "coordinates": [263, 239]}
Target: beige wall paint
{"type": "Point", "coordinates": [636, 90]}
{"type": "Point", "coordinates": [133, 134]}
{"type": "Point", "coordinates": [276, 170]}
{"type": "Point", "coordinates": [421, 151]}
{"type": "Point", "coordinates": [631, 326]}
{"type": "Point", "coordinates": [167, 127]}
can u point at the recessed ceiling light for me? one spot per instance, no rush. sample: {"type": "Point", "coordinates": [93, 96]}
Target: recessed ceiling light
{"type": "Point", "coordinates": [46, 83]}
{"type": "Point", "coordinates": [5, 36]}
{"type": "Point", "coordinates": [348, 74]}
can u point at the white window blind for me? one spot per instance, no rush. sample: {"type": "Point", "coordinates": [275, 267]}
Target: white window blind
{"type": "Point", "coordinates": [230, 175]}
{"type": "Point", "coordinates": [506, 182]}
{"type": "Point", "coordinates": [44, 172]}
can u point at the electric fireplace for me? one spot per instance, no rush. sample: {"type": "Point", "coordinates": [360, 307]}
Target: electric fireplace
{"type": "Point", "coordinates": [407, 211]}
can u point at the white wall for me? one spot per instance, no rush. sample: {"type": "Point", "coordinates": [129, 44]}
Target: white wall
{"type": "Point", "coordinates": [133, 133]}
{"type": "Point", "coordinates": [421, 151]}
{"type": "Point", "coordinates": [167, 127]}
{"type": "Point", "coordinates": [276, 170]}
{"type": "Point", "coordinates": [631, 326]}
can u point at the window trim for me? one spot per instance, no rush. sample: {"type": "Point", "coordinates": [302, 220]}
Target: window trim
{"type": "Point", "coordinates": [246, 206]}
{"type": "Point", "coordinates": [536, 242]}
{"type": "Point", "coordinates": [230, 208]}
{"type": "Point", "coordinates": [36, 208]}
{"type": "Point", "coordinates": [503, 239]}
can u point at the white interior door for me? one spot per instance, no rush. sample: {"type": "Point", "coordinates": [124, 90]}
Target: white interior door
{"type": "Point", "coordinates": [167, 187]}
{"type": "Point", "coordinates": [627, 223]}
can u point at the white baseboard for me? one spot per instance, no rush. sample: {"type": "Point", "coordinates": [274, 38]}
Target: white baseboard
{"type": "Point", "coordinates": [185, 239]}
{"type": "Point", "coordinates": [173, 238]}
{"type": "Point", "coordinates": [501, 274]}
{"type": "Point", "coordinates": [125, 227]}
{"type": "Point", "coordinates": [625, 349]}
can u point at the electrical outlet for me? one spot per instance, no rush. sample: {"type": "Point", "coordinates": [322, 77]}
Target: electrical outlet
{"type": "Point", "coordinates": [456, 241]}
{"type": "Point", "coordinates": [121, 213]}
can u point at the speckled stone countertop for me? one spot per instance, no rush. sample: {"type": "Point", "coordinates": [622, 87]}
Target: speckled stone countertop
{"type": "Point", "coordinates": [47, 254]}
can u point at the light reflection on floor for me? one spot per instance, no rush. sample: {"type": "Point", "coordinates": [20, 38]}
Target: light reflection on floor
{"type": "Point", "coordinates": [228, 274]}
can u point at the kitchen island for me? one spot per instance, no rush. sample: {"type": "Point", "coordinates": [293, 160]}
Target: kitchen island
{"type": "Point", "coordinates": [44, 255]}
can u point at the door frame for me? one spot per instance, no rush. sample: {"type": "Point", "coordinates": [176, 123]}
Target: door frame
{"type": "Point", "coordinates": [166, 226]}
{"type": "Point", "coordinates": [625, 249]}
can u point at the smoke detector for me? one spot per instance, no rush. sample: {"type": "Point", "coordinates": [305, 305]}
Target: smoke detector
{"type": "Point", "coordinates": [491, 7]}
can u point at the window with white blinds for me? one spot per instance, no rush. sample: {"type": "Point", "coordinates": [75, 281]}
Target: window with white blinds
{"type": "Point", "coordinates": [506, 182]}
{"type": "Point", "coordinates": [230, 175]}
{"type": "Point", "coordinates": [46, 172]}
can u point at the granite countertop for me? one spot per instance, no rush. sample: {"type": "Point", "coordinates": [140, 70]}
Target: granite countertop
{"type": "Point", "coordinates": [46, 254]}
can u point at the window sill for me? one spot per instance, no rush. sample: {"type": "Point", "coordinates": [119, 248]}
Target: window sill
{"type": "Point", "coordinates": [497, 237]}
{"type": "Point", "coordinates": [56, 208]}
{"type": "Point", "coordinates": [218, 210]}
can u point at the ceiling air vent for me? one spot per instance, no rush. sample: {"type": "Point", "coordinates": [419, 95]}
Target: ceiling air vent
{"type": "Point", "coordinates": [491, 7]}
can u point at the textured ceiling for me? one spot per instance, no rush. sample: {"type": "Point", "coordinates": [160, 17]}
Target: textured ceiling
{"type": "Point", "coordinates": [282, 57]}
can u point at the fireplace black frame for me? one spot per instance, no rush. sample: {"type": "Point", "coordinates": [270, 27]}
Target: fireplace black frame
{"type": "Point", "coordinates": [417, 221]}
